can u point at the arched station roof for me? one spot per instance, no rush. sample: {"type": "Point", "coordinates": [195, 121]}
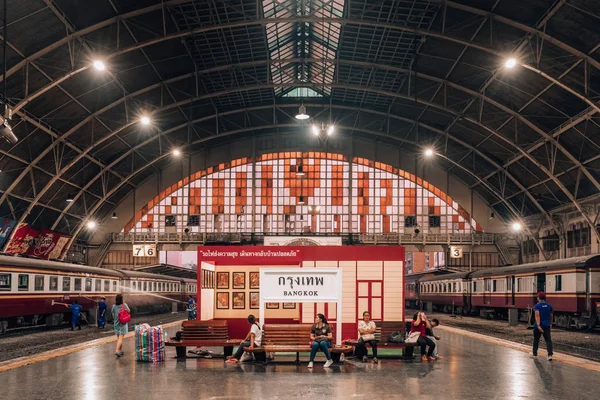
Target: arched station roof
{"type": "Point", "coordinates": [415, 73]}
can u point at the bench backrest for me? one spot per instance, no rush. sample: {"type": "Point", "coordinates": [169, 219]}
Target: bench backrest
{"type": "Point", "coordinates": [290, 335]}
{"type": "Point", "coordinates": [385, 328]}
{"type": "Point", "coordinates": [205, 330]}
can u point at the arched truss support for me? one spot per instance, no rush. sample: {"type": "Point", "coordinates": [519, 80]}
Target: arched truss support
{"type": "Point", "coordinates": [488, 187]}
{"type": "Point", "coordinates": [340, 21]}
{"type": "Point", "coordinates": [522, 152]}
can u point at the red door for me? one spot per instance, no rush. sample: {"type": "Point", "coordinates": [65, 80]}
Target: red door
{"type": "Point", "coordinates": [369, 297]}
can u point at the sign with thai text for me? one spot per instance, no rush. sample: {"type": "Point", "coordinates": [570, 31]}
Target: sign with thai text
{"type": "Point", "coordinates": [296, 285]}
{"type": "Point", "coordinates": [250, 255]}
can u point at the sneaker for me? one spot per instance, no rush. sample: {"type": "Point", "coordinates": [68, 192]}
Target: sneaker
{"type": "Point", "coordinates": [328, 364]}
{"type": "Point", "coordinates": [431, 358]}
{"type": "Point", "coordinates": [310, 364]}
{"type": "Point", "coordinates": [121, 354]}
{"type": "Point", "coordinates": [549, 358]}
{"type": "Point", "coordinates": [118, 354]}
{"type": "Point", "coordinates": [375, 360]}
{"type": "Point", "coordinates": [365, 359]}
{"type": "Point", "coordinates": [532, 355]}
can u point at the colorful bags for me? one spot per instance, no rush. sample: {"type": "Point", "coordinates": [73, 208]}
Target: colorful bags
{"type": "Point", "coordinates": [149, 343]}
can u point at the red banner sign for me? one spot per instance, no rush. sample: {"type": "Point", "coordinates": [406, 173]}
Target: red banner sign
{"type": "Point", "coordinates": [44, 244]}
{"type": "Point", "coordinates": [23, 238]}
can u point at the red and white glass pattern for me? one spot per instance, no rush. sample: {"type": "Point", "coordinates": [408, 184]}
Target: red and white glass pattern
{"type": "Point", "coordinates": [338, 197]}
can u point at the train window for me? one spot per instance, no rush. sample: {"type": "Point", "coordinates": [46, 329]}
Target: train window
{"type": "Point", "coordinates": [39, 283]}
{"type": "Point", "coordinates": [494, 285]}
{"type": "Point", "coordinates": [145, 286]}
{"type": "Point", "coordinates": [98, 285]}
{"type": "Point", "coordinates": [518, 284]}
{"type": "Point", "coordinates": [54, 283]}
{"type": "Point", "coordinates": [454, 287]}
{"type": "Point", "coordinates": [23, 282]}
{"type": "Point", "coordinates": [114, 286]}
{"type": "Point", "coordinates": [66, 284]}
{"type": "Point", "coordinates": [5, 281]}
{"type": "Point", "coordinates": [106, 286]}
{"type": "Point", "coordinates": [88, 284]}
{"type": "Point", "coordinates": [558, 283]}
{"type": "Point", "coordinates": [77, 284]}
{"type": "Point", "coordinates": [154, 286]}
{"type": "Point", "coordinates": [133, 285]}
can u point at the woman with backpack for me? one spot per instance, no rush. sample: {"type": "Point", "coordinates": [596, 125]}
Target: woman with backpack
{"type": "Point", "coordinates": [121, 315]}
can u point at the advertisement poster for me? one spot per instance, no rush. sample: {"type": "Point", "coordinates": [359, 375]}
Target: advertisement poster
{"type": "Point", "coordinates": [6, 228]}
{"type": "Point", "coordinates": [23, 238]}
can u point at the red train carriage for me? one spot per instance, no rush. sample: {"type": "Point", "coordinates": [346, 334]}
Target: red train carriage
{"type": "Point", "coordinates": [28, 287]}
{"type": "Point", "coordinates": [449, 292]}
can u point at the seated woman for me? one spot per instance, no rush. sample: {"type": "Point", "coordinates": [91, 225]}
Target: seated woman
{"type": "Point", "coordinates": [321, 336]}
{"type": "Point", "coordinates": [366, 332]}
{"type": "Point", "coordinates": [421, 324]}
{"type": "Point", "coordinates": [253, 338]}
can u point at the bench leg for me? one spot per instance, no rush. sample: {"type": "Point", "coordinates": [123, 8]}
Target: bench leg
{"type": "Point", "coordinates": [227, 351]}
{"type": "Point", "coordinates": [297, 358]}
{"type": "Point", "coordinates": [408, 352]}
{"type": "Point", "coordinates": [336, 357]}
{"type": "Point", "coordinates": [260, 357]}
{"type": "Point", "coordinates": [181, 352]}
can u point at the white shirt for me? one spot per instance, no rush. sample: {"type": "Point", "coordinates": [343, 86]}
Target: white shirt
{"type": "Point", "coordinates": [363, 325]}
{"type": "Point", "coordinates": [257, 334]}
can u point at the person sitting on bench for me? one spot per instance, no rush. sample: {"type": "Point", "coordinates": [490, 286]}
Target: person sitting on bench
{"type": "Point", "coordinates": [434, 338]}
{"type": "Point", "coordinates": [321, 336]}
{"type": "Point", "coordinates": [366, 332]}
{"type": "Point", "coordinates": [253, 338]}
{"type": "Point", "coordinates": [421, 324]}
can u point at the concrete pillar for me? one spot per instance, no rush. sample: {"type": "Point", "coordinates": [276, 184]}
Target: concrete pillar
{"type": "Point", "coordinates": [174, 307]}
{"type": "Point", "coordinates": [429, 308]}
{"type": "Point", "coordinates": [92, 316]}
{"type": "Point", "coordinates": [513, 317]}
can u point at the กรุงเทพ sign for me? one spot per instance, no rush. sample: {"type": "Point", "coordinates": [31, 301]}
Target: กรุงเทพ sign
{"type": "Point", "coordinates": [300, 285]}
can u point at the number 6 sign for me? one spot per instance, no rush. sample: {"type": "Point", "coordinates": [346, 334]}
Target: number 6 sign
{"type": "Point", "coordinates": [144, 250]}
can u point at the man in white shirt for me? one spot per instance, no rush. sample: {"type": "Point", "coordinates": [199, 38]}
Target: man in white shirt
{"type": "Point", "coordinates": [253, 338]}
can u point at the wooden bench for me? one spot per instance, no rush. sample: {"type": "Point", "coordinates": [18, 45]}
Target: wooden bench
{"type": "Point", "coordinates": [383, 331]}
{"type": "Point", "coordinates": [294, 338]}
{"type": "Point", "coordinates": [203, 333]}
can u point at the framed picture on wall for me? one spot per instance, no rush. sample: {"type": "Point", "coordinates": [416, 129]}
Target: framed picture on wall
{"type": "Point", "coordinates": [288, 306]}
{"type": "Point", "coordinates": [254, 280]}
{"type": "Point", "coordinates": [239, 280]}
{"type": "Point", "coordinates": [222, 280]}
{"type": "Point", "coordinates": [272, 306]}
{"type": "Point", "coordinates": [254, 300]}
{"type": "Point", "coordinates": [222, 300]}
{"type": "Point", "coordinates": [239, 300]}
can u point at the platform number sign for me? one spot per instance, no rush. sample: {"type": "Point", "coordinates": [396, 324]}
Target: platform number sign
{"type": "Point", "coordinates": [456, 252]}
{"type": "Point", "coordinates": [144, 250]}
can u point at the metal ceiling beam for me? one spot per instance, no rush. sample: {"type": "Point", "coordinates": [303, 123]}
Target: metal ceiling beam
{"type": "Point", "coordinates": [379, 113]}
{"type": "Point", "coordinates": [341, 21]}
{"type": "Point", "coordinates": [492, 190]}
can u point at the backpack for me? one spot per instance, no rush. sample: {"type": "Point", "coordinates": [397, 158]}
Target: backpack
{"type": "Point", "coordinates": [124, 315]}
{"type": "Point", "coordinates": [396, 337]}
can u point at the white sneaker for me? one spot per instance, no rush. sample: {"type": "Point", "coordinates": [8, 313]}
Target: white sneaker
{"type": "Point", "coordinates": [549, 358]}
{"type": "Point", "coordinates": [328, 364]}
{"type": "Point", "coordinates": [310, 364]}
{"type": "Point", "coordinates": [531, 355]}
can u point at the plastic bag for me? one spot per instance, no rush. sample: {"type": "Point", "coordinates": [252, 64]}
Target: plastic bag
{"type": "Point", "coordinates": [149, 343]}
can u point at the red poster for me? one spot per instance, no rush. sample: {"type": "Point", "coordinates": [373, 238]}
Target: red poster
{"type": "Point", "coordinates": [22, 240]}
{"type": "Point", "coordinates": [49, 244]}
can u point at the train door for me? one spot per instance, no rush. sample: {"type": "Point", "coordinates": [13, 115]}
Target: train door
{"type": "Point", "coordinates": [540, 283]}
{"type": "Point", "coordinates": [512, 285]}
{"type": "Point", "coordinates": [588, 297]}
{"type": "Point", "coordinates": [509, 292]}
{"type": "Point", "coordinates": [487, 289]}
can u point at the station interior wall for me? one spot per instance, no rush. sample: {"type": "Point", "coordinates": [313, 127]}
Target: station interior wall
{"type": "Point", "coordinates": [343, 144]}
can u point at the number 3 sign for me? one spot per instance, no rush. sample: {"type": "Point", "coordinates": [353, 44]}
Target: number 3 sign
{"type": "Point", "coordinates": [144, 250]}
{"type": "Point", "coordinates": [456, 252]}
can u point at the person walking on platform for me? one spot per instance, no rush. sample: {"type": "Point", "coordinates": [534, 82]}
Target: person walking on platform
{"type": "Point", "coordinates": [542, 324]}
{"type": "Point", "coordinates": [102, 313]}
{"type": "Point", "coordinates": [120, 312]}
{"type": "Point", "coordinates": [321, 335]}
{"type": "Point", "coordinates": [191, 308]}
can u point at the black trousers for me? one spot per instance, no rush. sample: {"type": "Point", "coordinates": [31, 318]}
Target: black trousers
{"type": "Point", "coordinates": [361, 347]}
{"type": "Point", "coordinates": [240, 350]}
{"type": "Point", "coordinates": [536, 340]}
{"type": "Point", "coordinates": [424, 341]}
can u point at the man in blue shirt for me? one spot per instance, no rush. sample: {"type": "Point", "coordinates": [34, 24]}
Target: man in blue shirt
{"type": "Point", "coordinates": [191, 308]}
{"type": "Point", "coordinates": [75, 310]}
{"type": "Point", "coordinates": [542, 325]}
{"type": "Point", "coordinates": [102, 313]}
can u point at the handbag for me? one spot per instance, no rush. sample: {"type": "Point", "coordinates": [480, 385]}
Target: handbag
{"type": "Point", "coordinates": [124, 315]}
{"type": "Point", "coordinates": [368, 337]}
{"type": "Point", "coordinates": [413, 337]}
{"type": "Point", "coordinates": [396, 337]}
